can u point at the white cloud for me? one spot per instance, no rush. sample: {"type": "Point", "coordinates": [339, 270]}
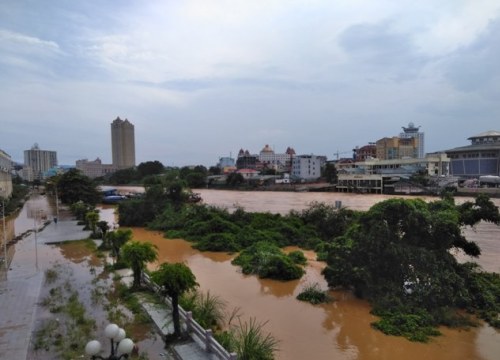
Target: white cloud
{"type": "Point", "coordinates": [16, 42]}
{"type": "Point", "coordinates": [317, 75]}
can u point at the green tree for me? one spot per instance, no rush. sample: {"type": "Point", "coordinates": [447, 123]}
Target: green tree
{"type": "Point", "coordinates": [103, 226]}
{"type": "Point", "coordinates": [235, 179]}
{"type": "Point", "coordinates": [175, 280]}
{"type": "Point", "coordinates": [329, 172]}
{"type": "Point", "coordinates": [398, 255]}
{"type": "Point", "coordinates": [116, 239]}
{"type": "Point", "coordinates": [136, 254]}
{"type": "Point", "coordinates": [214, 170]}
{"type": "Point", "coordinates": [73, 186]}
{"type": "Point", "coordinates": [124, 176]}
{"type": "Point", "coordinates": [150, 168]}
{"type": "Point", "coordinates": [80, 210]}
{"type": "Point", "coordinates": [92, 217]}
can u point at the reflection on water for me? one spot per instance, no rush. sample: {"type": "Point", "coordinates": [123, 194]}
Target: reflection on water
{"type": "Point", "coordinates": [340, 330]}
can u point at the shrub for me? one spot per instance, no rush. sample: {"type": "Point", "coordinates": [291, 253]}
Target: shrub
{"type": "Point", "coordinates": [314, 295]}
{"type": "Point", "coordinates": [267, 261]}
{"type": "Point", "coordinates": [298, 257]}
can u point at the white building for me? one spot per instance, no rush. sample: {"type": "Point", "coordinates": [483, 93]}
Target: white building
{"type": "Point", "coordinates": [306, 167]}
{"type": "Point", "coordinates": [279, 162]}
{"type": "Point", "coordinates": [5, 176]}
{"type": "Point", "coordinates": [96, 168]}
{"type": "Point", "coordinates": [39, 161]}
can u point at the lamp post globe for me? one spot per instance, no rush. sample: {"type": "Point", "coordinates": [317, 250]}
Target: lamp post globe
{"type": "Point", "coordinates": [120, 335]}
{"type": "Point", "coordinates": [126, 346]}
{"type": "Point", "coordinates": [111, 331]}
{"type": "Point", "coordinates": [121, 346]}
{"type": "Point", "coordinates": [93, 348]}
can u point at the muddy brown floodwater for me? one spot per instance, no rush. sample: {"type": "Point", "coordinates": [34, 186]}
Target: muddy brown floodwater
{"type": "Point", "coordinates": [340, 330]}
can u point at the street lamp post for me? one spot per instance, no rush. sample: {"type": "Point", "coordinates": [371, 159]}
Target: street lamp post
{"type": "Point", "coordinates": [121, 347]}
{"type": "Point", "coordinates": [4, 235]}
{"type": "Point", "coordinates": [36, 239]}
{"type": "Point", "coordinates": [57, 207]}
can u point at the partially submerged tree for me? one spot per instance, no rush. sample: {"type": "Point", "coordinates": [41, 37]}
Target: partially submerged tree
{"type": "Point", "coordinates": [175, 279]}
{"type": "Point", "coordinates": [103, 227]}
{"type": "Point", "coordinates": [116, 239]}
{"type": "Point", "coordinates": [136, 254]}
{"type": "Point", "coordinates": [398, 256]}
{"type": "Point", "coordinates": [92, 217]}
{"type": "Point", "coordinates": [73, 186]}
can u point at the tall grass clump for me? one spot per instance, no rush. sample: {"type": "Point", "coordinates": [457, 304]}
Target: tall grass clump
{"type": "Point", "coordinates": [207, 309]}
{"type": "Point", "coordinates": [251, 343]}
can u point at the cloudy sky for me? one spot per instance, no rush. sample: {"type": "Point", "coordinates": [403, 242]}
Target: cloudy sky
{"type": "Point", "coordinates": [201, 79]}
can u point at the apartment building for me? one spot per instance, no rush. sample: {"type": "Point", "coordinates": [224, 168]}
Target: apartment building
{"type": "Point", "coordinates": [39, 161]}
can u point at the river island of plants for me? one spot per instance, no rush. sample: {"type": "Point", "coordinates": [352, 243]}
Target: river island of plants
{"type": "Point", "coordinates": [399, 255]}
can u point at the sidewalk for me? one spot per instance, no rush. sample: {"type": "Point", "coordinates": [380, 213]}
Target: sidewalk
{"type": "Point", "coordinates": [161, 315]}
{"type": "Point", "coordinates": [20, 287]}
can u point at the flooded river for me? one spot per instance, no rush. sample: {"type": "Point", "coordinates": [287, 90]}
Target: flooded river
{"type": "Point", "coordinates": [340, 330]}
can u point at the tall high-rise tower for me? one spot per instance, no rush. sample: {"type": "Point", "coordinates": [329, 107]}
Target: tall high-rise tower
{"type": "Point", "coordinates": [123, 143]}
{"type": "Point", "coordinates": [413, 132]}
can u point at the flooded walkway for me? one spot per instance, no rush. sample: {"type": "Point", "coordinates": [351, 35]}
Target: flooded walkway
{"type": "Point", "coordinates": [21, 285]}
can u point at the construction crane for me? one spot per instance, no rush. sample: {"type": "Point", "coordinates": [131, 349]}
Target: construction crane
{"type": "Point", "coordinates": [338, 153]}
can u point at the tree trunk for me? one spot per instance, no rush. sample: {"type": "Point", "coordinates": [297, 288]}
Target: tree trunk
{"type": "Point", "coordinates": [175, 315]}
{"type": "Point", "coordinates": [137, 278]}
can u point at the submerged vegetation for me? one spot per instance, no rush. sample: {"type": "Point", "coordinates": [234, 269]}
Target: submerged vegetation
{"type": "Point", "coordinates": [397, 255]}
{"type": "Point", "coordinates": [268, 261]}
{"type": "Point", "coordinates": [312, 293]}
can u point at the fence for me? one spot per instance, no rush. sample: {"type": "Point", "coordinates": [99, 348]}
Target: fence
{"type": "Point", "coordinates": [203, 336]}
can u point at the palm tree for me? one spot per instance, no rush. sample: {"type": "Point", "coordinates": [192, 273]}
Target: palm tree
{"type": "Point", "coordinates": [92, 217]}
{"type": "Point", "coordinates": [116, 239]}
{"type": "Point", "coordinates": [175, 279]}
{"type": "Point", "coordinates": [136, 254]}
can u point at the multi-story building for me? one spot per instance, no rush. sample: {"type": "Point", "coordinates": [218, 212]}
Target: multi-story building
{"type": "Point", "coordinates": [306, 167]}
{"type": "Point", "coordinates": [480, 158]}
{"type": "Point", "coordinates": [247, 161]}
{"type": "Point", "coordinates": [373, 175]}
{"type": "Point", "coordinates": [39, 161]}
{"type": "Point", "coordinates": [397, 148]}
{"type": "Point", "coordinates": [123, 143]}
{"type": "Point", "coordinates": [366, 152]}
{"type": "Point", "coordinates": [278, 162]}
{"type": "Point", "coordinates": [225, 162]}
{"type": "Point", "coordinates": [94, 169]}
{"type": "Point", "coordinates": [413, 132]}
{"type": "Point", "coordinates": [5, 176]}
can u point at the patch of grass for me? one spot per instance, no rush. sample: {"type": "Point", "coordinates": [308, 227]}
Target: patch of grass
{"type": "Point", "coordinates": [44, 336]}
{"type": "Point", "coordinates": [51, 276]}
{"type": "Point", "coordinates": [54, 301]}
{"type": "Point", "coordinates": [312, 293]}
{"type": "Point", "coordinates": [415, 327]}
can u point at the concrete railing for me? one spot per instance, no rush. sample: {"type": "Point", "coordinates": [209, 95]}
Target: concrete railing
{"type": "Point", "coordinates": [203, 336]}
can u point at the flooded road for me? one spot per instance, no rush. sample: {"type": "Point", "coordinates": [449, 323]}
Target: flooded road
{"type": "Point", "coordinates": [340, 330]}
